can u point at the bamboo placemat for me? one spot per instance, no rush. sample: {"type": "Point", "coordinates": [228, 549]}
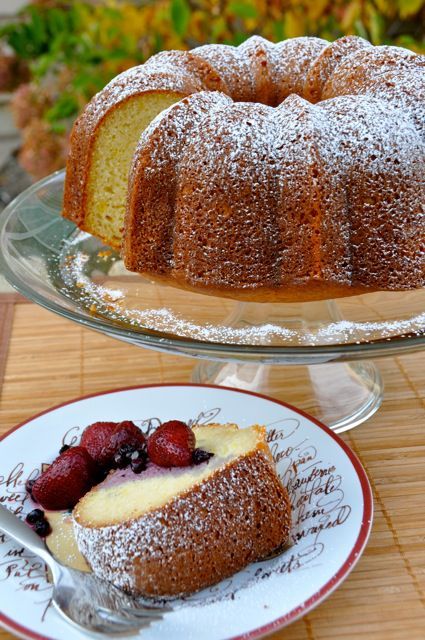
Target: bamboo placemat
{"type": "Point", "coordinates": [45, 360]}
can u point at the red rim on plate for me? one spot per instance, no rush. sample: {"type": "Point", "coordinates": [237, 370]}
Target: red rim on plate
{"type": "Point", "coordinates": [317, 597]}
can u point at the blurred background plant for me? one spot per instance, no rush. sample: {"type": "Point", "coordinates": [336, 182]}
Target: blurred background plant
{"type": "Point", "coordinates": [57, 54]}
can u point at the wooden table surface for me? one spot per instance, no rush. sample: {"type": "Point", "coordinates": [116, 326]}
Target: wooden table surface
{"type": "Point", "coordinates": [45, 360]}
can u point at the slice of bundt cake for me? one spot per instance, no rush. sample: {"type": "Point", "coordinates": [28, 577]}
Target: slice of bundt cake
{"type": "Point", "coordinates": [170, 531]}
{"type": "Point", "coordinates": [104, 137]}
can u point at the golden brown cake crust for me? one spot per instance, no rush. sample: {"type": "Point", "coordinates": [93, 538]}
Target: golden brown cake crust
{"type": "Point", "coordinates": [310, 290]}
{"type": "Point", "coordinates": [292, 60]}
{"type": "Point", "coordinates": [325, 64]}
{"type": "Point", "coordinates": [236, 516]}
{"type": "Point", "coordinates": [285, 227]}
{"type": "Point", "coordinates": [149, 222]}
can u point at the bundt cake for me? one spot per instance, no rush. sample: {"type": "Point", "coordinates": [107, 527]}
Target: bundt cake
{"type": "Point", "coordinates": [283, 172]}
{"type": "Point", "coordinates": [171, 531]}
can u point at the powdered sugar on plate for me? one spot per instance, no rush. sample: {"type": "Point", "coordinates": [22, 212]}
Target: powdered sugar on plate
{"type": "Point", "coordinates": [116, 302]}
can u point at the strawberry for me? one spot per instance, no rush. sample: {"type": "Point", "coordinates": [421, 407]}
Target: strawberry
{"type": "Point", "coordinates": [171, 444]}
{"type": "Point", "coordinates": [95, 437]}
{"type": "Point", "coordinates": [124, 433]}
{"type": "Point", "coordinates": [66, 480]}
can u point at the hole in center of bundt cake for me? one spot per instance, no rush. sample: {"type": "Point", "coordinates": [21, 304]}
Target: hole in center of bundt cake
{"type": "Point", "coordinates": [113, 150]}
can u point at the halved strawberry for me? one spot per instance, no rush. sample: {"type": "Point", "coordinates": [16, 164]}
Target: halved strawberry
{"type": "Point", "coordinates": [124, 433]}
{"type": "Point", "coordinates": [172, 444]}
{"type": "Point", "coordinates": [95, 437]}
{"type": "Point", "coordinates": [66, 480]}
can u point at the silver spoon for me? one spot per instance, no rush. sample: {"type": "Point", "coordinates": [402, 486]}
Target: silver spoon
{"type": "Point", "coordinates": [81, 598]}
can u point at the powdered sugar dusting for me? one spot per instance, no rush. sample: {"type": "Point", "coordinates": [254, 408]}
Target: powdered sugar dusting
{"type": "Point", "coordinates": [348, 332]}
{"type": "Point", "coordinates": [111, 303]}
{"type": "Point", "coordinates": [393, 74]}
{"type": "Point", "coordinates": [325, 64]}
{"type": "Point", "coordinates": [292, 60]}
{"type": "Point", "coordinates": [232, 66]}
{"type": "Point", "coordinates": [261, 71]}
{"type": "Point", "coordinates": [203, 531]}
{"type": "Point", "coordinates": [298, 195]}
{"type": "Point", "coordinates": [102, 300]}
{"type": "Point", "coordinates": [155, 76]}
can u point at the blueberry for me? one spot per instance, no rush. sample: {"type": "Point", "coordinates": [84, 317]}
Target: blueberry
{"type": "Point", "coordinates": [199, 456]}
{"type": "Point", "coordinates": [64, 448]}
{"type": "Point", "coordinates": [138, 466]}
{"type": "Point", "coordinates": [139, 454]}
{"type": "Point", "coordinates": [126, 450]}
{"type": "Point", "coordinates": [120, 462]}
{"type": "Point", "coordinates": [42, 528]}
{"type": "Point", "coordinates": [28, 486]}
{"type": "Point", "coordinates": [34, 516]}
{"type": "Point", "coordinates": [129, 454]}
{"type": "Point", "coordinates": [102, 472]}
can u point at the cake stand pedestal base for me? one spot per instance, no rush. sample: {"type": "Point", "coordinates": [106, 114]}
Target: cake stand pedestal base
{"type": "Point", "coordinates": [341, 395]}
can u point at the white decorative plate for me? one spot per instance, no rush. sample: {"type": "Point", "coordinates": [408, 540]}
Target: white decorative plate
{"type": "Point", "coordinates": [332, 513]}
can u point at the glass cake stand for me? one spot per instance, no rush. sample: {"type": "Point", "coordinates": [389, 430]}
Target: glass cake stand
{"type": "Point", "coordinates": [244, 345]}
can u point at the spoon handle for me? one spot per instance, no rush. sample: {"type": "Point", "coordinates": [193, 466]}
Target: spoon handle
{"type": "Point", "coordinates": [23, 534]}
